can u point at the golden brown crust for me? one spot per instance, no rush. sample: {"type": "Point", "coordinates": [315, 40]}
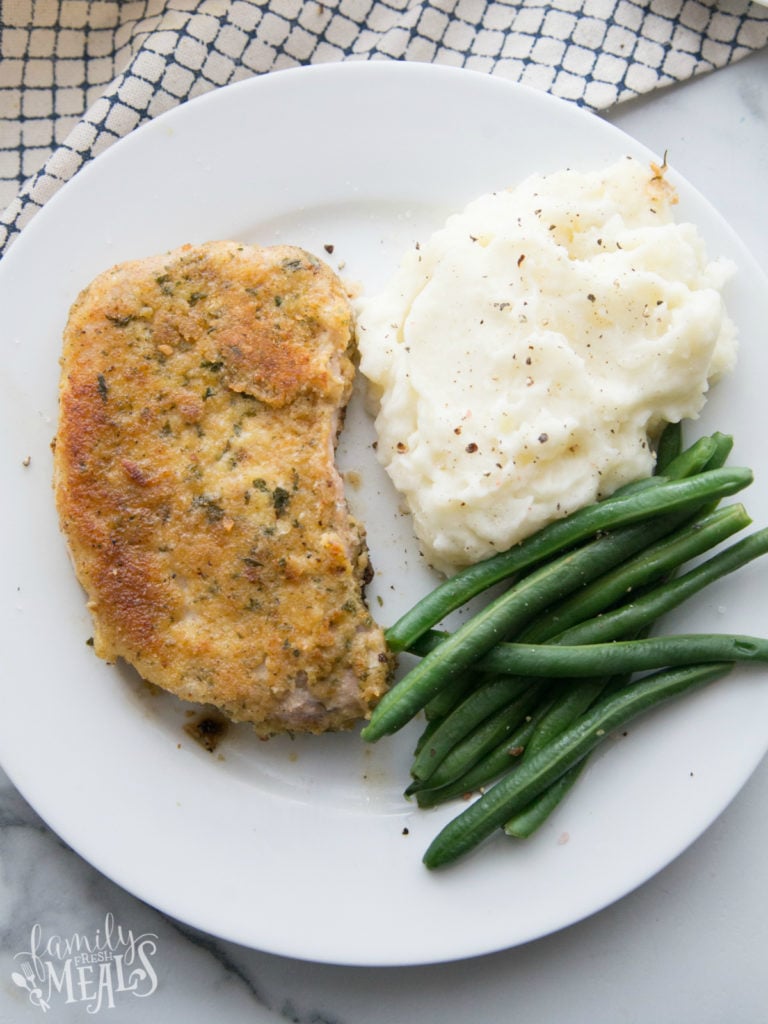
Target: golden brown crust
{"type": "Point", "coordinates": [199, 407]}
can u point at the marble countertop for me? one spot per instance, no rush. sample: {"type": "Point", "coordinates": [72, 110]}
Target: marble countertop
{"type": "Point", "coordinates": [687, 947]}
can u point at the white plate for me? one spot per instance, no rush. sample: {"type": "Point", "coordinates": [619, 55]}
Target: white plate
{"type": "Point", "coordinates": [307, 848]}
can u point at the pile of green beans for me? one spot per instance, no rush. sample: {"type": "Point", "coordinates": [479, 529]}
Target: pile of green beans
{"type": "Point", "coordinates": [518, 696]}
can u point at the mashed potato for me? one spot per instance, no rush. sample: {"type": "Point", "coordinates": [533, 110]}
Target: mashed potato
{"type": "Point", "coordinates": [523, 358]}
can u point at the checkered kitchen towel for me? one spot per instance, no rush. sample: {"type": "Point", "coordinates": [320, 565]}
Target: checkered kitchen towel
{"type": "Point", "coordinates": [75, 75]}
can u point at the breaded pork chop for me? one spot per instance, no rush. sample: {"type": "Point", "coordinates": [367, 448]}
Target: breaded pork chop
{"type": "Point", "coordinates": [200, 402]}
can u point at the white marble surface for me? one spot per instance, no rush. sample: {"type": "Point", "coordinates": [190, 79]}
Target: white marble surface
{"type": "Point", "coordinates": [688, 947]}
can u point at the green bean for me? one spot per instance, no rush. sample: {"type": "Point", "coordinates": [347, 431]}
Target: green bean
{"type": "Point", "coordinates": [460, 757]}
{"type": "Point", "coordinates": [518, 788]}
{"type": "Point", "coordinates": [646, 609]}
{"type": "Point", "coordinates": [723, 448]}
{"type": "Point", "coordinates": [530, 818]}
{"type": "Point", "coordinates": [448, 661]}
{"type": "Point", "coordinates": [645, 483]}
{"type": "Point", "coordinates": [669, 446]}
{"type": "Point", "coordinates": [591, 601]}
{"type": "Point", "coordinates": [492, 697]}
{"type": "Point", "coordinates": [450, 696]}
{"type": "Point", "coordinates": [691, 461]}
{"type": "Point", "coordinates": [624, 622]}
{"type": "Point", "coordinates": [561, 715]}
{"type": "Point", "coordinates": [497, 762]}
{"type": "Point", "coordinates": [424, 738]}
{"type": "Point", "coordinates": [692, 540]}
{"type": "Point", "coordinates": [564, 710]}
{"type": "Point", "coordinates": [557, 537]}
{"type": "Point", "coordinates": [567, 707]}
{"type": "Point", "coordinates": [667, 554]}
{"type": "Point", "coordinates": [582, 660]}
{"type": "Point", "coordinates": [429, 642]}
{"type": "Point", "coordinates": [498, 619]}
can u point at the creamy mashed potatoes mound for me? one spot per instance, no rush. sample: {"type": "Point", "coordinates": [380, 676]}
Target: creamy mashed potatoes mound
{"type": "Point", "coordinates": [523, 358]}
